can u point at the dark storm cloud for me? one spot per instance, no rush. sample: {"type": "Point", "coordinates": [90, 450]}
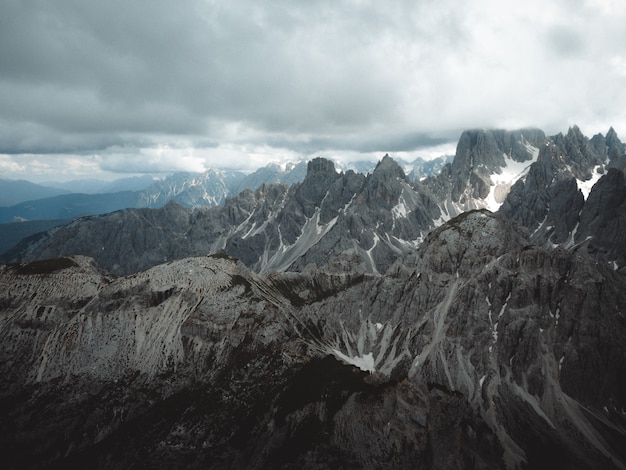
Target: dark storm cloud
{"type": "Point", "coordinates": [88, 77]}
{"type": "Point", "coordinates": [165, 67]}
{"type": "Point", "coordinates": [366, 144]}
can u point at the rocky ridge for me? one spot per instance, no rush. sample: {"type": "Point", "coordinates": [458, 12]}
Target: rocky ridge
{"type": "Point", "coordinates": [491, 340]}
{"type": "Point", "coordinates": [347, 220]}
{"type": "Point", "coordinates": [477, 351]}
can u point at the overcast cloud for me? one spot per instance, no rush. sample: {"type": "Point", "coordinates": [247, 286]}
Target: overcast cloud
{"type": "Point", "coordinates": [88, 87]}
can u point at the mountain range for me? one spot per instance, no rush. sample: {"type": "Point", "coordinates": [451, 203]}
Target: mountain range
{"type": "Point", "coordinates": [364, 222]}
{"type": "Point", "coordinates": [15, 191]}
{"type": "Point", "coordinates": [470, 319]}
{"type": "Point", "coordinates": [27, 202]}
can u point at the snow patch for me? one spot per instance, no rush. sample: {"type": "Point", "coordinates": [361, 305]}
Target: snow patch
{"type": "Point", "coordinates": [364, 362]}
{"type": "Point", "coordinates": [400, 210]}
{"type": "Point", "coordinates": [369, 253]}
{"type": "Point", "coordinates": [509, 174]}
{"type": "Point", "coordinates": [585, 186]}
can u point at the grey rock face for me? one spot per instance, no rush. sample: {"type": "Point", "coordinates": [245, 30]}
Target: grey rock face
{"type": "Point", "coordinates": [602, 221]}
{"type": "Point", "coordinates": [486, 164]}
{"type": "Point", "coordinates": [477, 351]}
{"type": "Point", "coordinates": [366, 221]}
{"type": "Point", "coordinates": [573, 196]}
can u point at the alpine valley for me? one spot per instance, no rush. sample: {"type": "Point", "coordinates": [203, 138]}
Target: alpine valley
{"type": "Point", "coordinates": [472, 319]}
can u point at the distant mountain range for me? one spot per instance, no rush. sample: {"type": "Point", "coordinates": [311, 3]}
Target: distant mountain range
{"type": "Point", "coordinates": [30, 202]}
{"type": "Point", "coordinates": [95, 186]}
{"type": "Point", "coordinates": [15, 191]}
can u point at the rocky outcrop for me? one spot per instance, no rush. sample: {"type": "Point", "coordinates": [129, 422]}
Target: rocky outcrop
{"type": "Point", "coordinates": [478, 350]}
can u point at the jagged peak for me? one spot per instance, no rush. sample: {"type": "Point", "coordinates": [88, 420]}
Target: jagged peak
{"type": "Point", "coordinates": [321, 165]}
{"type": "Point", "coordinates": [612, 138]}
{"type": "Point", "coordinates": [574, 131]}
{"type": "Point", "coordinates": [389, 165]}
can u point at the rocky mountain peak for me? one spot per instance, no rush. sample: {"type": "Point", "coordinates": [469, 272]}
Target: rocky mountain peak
{"type": "Point", "coordinates": [572, 154]}
{"type": "Point", "coordinates": [389, 167]}
{"type": "Point", "coordinates": [485, 149]}
{"type": "Point", "coordinates": [321, 173]}
{"type": "Point", "coordinates": [384, 185]}
{"type": "Point", "coordinates": [486, 164]}
{"type": "Point", "coordinates": [611, 135]}
{"type": "Point", "coordinates": [574, 132]}
{"type": "Point", "coordinates": [321, 165]}
{"type": "Point", "coordinates": [615, 147]}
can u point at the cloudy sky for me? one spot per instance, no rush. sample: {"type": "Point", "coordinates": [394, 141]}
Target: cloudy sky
{"type": "Point", "coordinates": [104, 88]}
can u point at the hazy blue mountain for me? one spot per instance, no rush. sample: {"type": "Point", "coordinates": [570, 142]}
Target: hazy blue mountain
{"type": "Point", "coordinates": [83, 186]}
{"type": "Point", "coordinates": [273, 173]}
{"type": "Point", "coordinates": [415, 170]}
{"type": "Point", "coordinates": [96, 186]}
{"type": "Point", "coordinates": [134, 183]}
{"type": "Point", "coordinates": [419, 168]}
{"type": "Point", "coordinates": [15, 191]}
{"type": "Point", "coordinates": [68, 206]}
{"type": "Point", "coordinates": [191, 190]}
